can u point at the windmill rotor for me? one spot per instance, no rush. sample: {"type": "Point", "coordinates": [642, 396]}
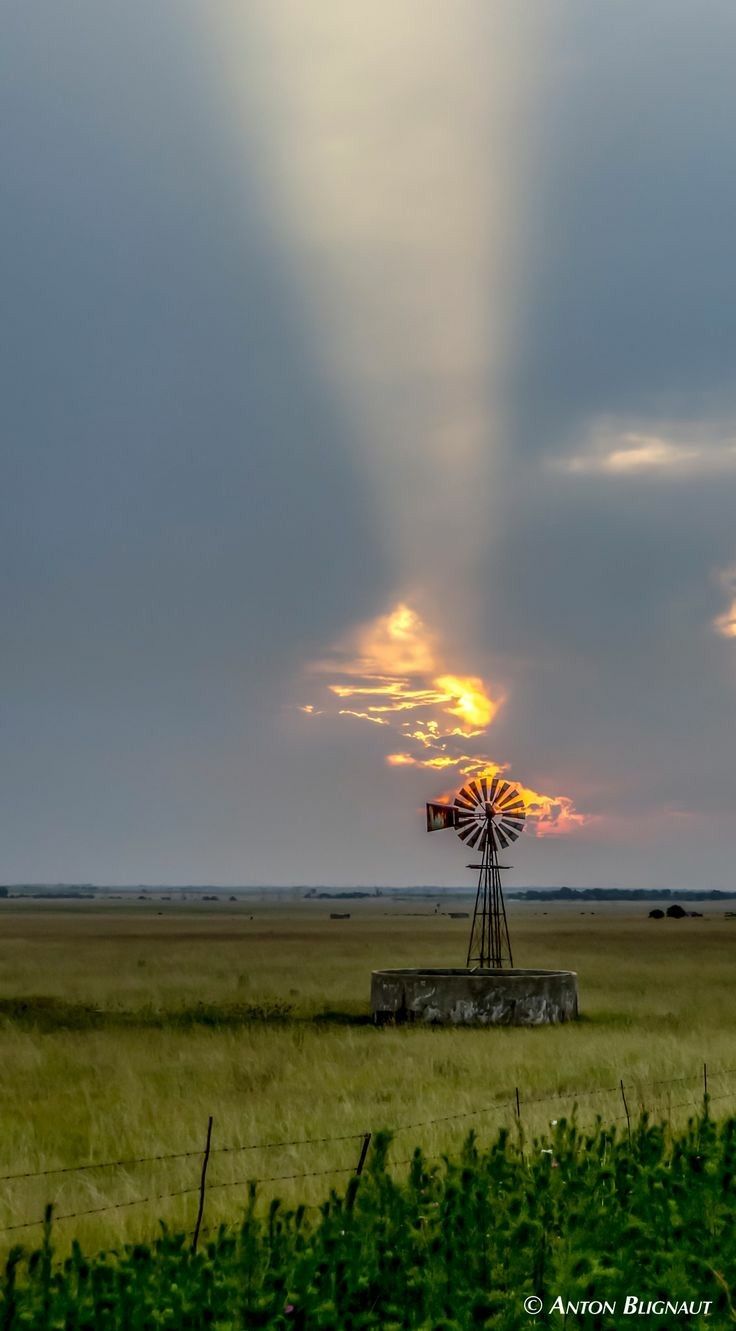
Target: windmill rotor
{"type": "Point", "coordinates": [492, 809]}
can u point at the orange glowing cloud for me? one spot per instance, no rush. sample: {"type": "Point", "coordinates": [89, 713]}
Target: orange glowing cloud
{"type": "Point", "coordinates": [396, 673]}
{"type": "Point", "coordinates": [363, 716]}
{"type": "Point", "coordinates": [389, 647]}
{"type": "Point", "coordinates": [472, 703]}
{"type": "Point", "coordinates": [551, 815]}
{"type": "Point", "coordinates": [547, 815]}
{"type": "Point", "coordinates": [393, 665]}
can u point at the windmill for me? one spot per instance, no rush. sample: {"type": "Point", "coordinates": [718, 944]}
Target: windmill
{"type": "Point", "coordinates": [487, 815]}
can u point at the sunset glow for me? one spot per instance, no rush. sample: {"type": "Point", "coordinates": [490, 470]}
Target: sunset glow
{"type": "Point", "coordinates": [396, 671]}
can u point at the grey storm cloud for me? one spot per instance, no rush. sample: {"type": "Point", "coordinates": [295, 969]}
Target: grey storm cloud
{"type": "Point", "coordinates": [311, 310]}
{"type": "Point", "coordinates": [607, 590]}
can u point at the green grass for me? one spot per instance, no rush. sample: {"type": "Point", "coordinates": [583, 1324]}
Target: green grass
{"type": "Point", "coordinates": [589, 1218]}
{"type": "Point", "coordinates": [121, 1030]}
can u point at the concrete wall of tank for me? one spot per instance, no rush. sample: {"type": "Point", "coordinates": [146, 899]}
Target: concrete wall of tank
{"type": "Point", "coordinates": [474, 998]}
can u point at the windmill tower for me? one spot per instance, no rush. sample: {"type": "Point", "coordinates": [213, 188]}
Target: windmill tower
{"type": "Point", "coordinates": [487, 815]}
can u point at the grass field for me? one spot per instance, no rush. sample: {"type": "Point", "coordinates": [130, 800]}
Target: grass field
{"type": "Point", "coordinates": [123, 1025]}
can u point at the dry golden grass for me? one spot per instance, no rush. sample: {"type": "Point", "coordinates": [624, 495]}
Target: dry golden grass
{"type": "Point", "coordinates": [122, 1029]}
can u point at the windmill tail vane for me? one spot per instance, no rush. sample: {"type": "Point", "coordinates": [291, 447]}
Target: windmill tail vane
{"type": "Point", "coordinates": [487, 816]}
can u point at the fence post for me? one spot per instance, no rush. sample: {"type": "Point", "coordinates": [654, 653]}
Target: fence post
{"type": "Point", "coordinates": [705, 1090]}
{"type": "Point", "coordinates": [363, 1152]}
{"type": "Point", "coordinates": [519, 1128]}
{"type": "Point", "coordinates": [202, 1183]}
{"type": "Point", "coordinates": [626, 1108]}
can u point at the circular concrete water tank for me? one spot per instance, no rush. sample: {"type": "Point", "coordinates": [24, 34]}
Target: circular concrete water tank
{"type": "Point", "coordinates": [474, 997]}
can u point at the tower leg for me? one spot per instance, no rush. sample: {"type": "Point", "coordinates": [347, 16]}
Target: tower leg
{"type": "Point", "coordinates": [489, 945]}
{"type": "Point", "coordinates": [474, 946]}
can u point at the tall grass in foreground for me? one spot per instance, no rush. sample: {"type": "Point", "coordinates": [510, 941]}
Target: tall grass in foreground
{"type": "Point", "coordinates": [454, 1245]}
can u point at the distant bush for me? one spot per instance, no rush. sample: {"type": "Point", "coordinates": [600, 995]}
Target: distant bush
{"type": "Point", "coordinates": [452, 1247]}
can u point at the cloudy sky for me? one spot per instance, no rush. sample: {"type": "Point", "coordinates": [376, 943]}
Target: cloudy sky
{"type": "Point", "coordinates": [368, 421]}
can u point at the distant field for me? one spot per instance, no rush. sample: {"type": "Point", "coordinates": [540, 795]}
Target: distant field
{"type": "Point", "coordinates": [122, 1029]}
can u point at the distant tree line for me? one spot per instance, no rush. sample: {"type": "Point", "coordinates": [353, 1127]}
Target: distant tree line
{"type": "Point", "coordinates": [50, 894]}
{"type": "Point", "coordinates": [617, 894]}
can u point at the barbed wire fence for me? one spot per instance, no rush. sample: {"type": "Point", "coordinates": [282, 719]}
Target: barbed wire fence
{"type": "Point", "coordinates": [515, 1105]}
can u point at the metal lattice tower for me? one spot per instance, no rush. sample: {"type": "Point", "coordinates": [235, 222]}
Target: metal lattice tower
{"type": "Point", "coordinates": [487, 815]}
{"type": "Point", "coordinates": [489, 943]}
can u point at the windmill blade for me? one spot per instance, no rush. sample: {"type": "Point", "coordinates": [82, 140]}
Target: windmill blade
{"type": "Point", "coordinates": [501, 792]}
{"type": "Point", "coordinates": [484, 788]}
{"type": "Point", "coordinates": [502, 837]}
{"type": "Point", "coordinates": [467, 831]}
{"type": "Point", "coordinates": [509, 796]}
{"type": "Point", "coordinates": [484, 838]}
{"type": "Point", "coordinates": [465, 799]}
{"type": "Point", "coordinates": [464, 831]}
{"type": "Point", "coordinates": [493, 787]}
{"type": "Point", "coordinates": [477, 792]}
{"type": "Point", "coordinates": [474, 838]}
{"type": "Point", "coordinates": [511, 832]}
{"type": "Point", "coordinates": [512, 806]}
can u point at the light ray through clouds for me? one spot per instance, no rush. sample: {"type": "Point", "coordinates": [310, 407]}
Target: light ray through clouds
{"type": "Point", "coordinates": [392, 142]}
{"type": "Point", "coordinates": [392, 672]}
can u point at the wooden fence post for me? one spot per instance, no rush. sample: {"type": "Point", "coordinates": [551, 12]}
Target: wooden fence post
{"type": "Point", "coordinates": [363, 1152]}
{"type": "Point", "coordinates": [519, 1127]}
{"type": "Point", "coordinates": [202, 1184]}
{"type": "Point", "coordinates": [626, 1108]}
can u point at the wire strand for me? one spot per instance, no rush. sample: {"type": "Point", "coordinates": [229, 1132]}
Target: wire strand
{"type": "Point", "coordinates": [497, 1107]}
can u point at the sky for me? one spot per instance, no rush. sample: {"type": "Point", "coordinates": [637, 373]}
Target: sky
{"type": "Point", "coordinates": [368, 422]}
